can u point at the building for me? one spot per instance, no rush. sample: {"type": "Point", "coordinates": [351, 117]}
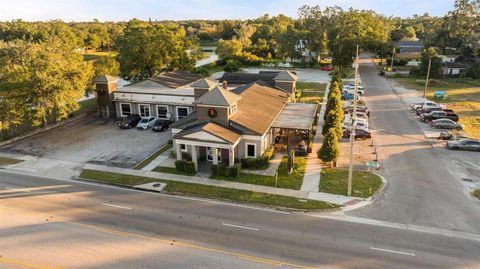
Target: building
{"type": "Point", "coordinates": [453, 68]}
{"type": "Point", "coordinates": [230, 123]}
{"type": "Point", "coordinates": [415, 47]}
{"type": "Point", "coordinates": [166, 96]}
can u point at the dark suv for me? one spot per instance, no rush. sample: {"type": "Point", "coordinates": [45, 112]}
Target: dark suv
{"type": "Point", "coordinates": [129, 121]}
{"type": "Point", "coordinates": [434, 115]}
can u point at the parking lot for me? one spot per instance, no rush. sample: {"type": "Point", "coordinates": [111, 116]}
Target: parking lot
{"type": "Point", "coordinates": [92, 140]}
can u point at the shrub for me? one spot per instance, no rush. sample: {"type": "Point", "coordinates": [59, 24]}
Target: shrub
{"type": "Point", "coordinates": [226, 171]}
{"type": "Point", "coordinates": [432, 82]}
{"type": "Point", "coordinates": [268, 153]}
{"type": "Point", "coordinates": [185, 166]}
{"type": "Point", "coordinates": [186, 156]}
{"type": "Point", "coordinates": [329, 151]}
{"type": "Point", "coordinates": [254, 163]}
{"type": "Point", "coordinates": [232, 66]}
{"type": "Point", "coordinates": [473, 71]}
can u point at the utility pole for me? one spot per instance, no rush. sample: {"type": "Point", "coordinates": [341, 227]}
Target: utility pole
{"type": "Point", "coordinates": [428, 75]}
{"type": "Point", "coordinates": [352, 128]}
{"type": "Point", "coordinates": [393, 57]}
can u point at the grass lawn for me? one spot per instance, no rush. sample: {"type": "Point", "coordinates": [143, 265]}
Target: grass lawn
{"type": "Point", "coordinates": [312, 92]}
{"type": "Point", "coordinates": [463, 96]}
{"type": "Point", "coordinates": [476, 193]}
{"type": "Point", "coordinates": [152, 157]}
{"type": "Point", "coordinates": [171, 170]}
{"type": "Point", "coordinates": [364, 184]}
{"type": "Point", "coordinates": [209, 69]}
{"type": "Point", "coordinates": [284, 180]}
{"type": "Point", "coordinates": [209, 191]}
{"type": "Point", "coordinates": [8, 161]}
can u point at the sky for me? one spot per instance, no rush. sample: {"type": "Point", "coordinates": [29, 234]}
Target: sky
{"type": "Point", "coordinates": [124, 10]}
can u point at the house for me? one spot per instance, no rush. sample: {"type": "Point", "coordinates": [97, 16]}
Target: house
{"type": "Point", "coordinates": [229, 124]}
{"type": "Point", "coordinates": [166, 96]}
{"type": "Point", "coordinates": [453, 68]}
{"type": "Point", "coordinates": [415, 47]}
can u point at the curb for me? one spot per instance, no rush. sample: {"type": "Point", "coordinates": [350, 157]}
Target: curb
{"type": "Point", "coordinates": [367, 201]}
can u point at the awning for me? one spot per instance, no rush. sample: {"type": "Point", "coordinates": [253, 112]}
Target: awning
{"type": "Point", "coordinates": [298, 116]}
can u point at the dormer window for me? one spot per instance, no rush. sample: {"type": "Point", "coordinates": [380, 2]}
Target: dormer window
{"type": "Point", "coordinates": [233, 109]}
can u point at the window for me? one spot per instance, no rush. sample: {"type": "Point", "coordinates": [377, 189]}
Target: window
{"type": "Point", "coordinates": [233, 109]}
{"type": "Point", "coordinates": [251, 150]}
{"type": "Point", "coordinates": [125, 109]}
{"type": "Point", "coordinates": [182, 112]}
{"type": "Point", "coordinates": [144, 110]}
{"type": "Point", "coordinates": [183, 147]}
{"type": "Point", "coordinates": [162, 112]}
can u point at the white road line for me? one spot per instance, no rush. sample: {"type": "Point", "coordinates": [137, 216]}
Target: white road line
{"type": "Point", "coordinates": [474, 164]}
{"type": "Point", "coordinates": [14, 189]}
{"type": "Point", "coordinates": [241, 227]}
{"type": "Point", "coordinates": [117, 206]}
{"type": "Point", "coordinates": [393, 251]}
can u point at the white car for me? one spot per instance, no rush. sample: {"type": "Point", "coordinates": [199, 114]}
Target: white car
{"type": "Point", "coordinates": [360, 125]}
{"type": "Point", "coordinates": [360, 121]}
{"type": "Point", "coordinates": [351, 89]}
{"type": "Point", "coordinates": [146, 123]}
{"type": "Point", "coordinates": [426, 105]}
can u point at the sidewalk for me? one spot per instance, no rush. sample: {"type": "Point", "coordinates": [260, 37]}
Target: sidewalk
{"type": "Point", "coordinates": [311, 180]}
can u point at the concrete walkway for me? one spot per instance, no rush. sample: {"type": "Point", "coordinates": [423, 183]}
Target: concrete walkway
{"type": "Point", "coordinates": [311, 180]}
{"type": "Point", "coordinates": [157, 161]}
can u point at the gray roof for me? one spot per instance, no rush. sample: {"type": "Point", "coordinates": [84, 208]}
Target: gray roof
{"type": "Point", "coordinates": [204, 83]}
{"type": "Point", "coordinates": [298, 116]}
{"type": "Point", "coordinates": [105, 79]}
{"type": "Point", "coordinates": [410, 44]}
{"type": "Point", "coordinates": [218, 97]}
{"type": "Point", "coordinates": [455, 65]}
{"type": "Point", "coordinates": [175, 79]}
{"type": "Point", "coordinates": [286, 76]}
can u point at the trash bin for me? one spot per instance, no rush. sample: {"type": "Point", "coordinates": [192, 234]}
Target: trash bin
{"type": "Point", "coordinates": [439, 95]}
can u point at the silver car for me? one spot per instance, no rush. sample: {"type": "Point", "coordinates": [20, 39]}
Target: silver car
{"type": "Point", "coordinates": [146, 123]}
{"type": "Point", "coordinates": [464, 144]}
{"type": "Point", "coordinates": [446, 124]}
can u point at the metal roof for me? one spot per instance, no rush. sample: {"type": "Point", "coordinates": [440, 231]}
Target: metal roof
{"type": "Point", "coordinates": [298, 116]}
{"type": "Point", "coordinates": [218, 97]}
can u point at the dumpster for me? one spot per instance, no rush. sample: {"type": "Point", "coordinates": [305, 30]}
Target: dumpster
{"type": "Point", "coordinates": [440, 95]}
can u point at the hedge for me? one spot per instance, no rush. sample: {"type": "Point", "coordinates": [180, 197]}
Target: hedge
{"type": "Point", "coordinates": [258, 163]}
{"type": "Point", "coordinates": [226, 171]}
{"type": "Point", "coordinates": [185, 166]}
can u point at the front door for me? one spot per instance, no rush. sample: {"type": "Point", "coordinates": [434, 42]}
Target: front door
{"type": "Point", "coordinates": [210, 154]}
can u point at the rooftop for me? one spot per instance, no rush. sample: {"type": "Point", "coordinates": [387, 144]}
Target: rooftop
{"type": "Point", "coordinates": [296, 116]}
{"type": "Point", "coordinates": [269, 77]}
{"type": "Point", "coordinates": [218, 97]}
{"type": "Point", "coordinates": [105, 79]}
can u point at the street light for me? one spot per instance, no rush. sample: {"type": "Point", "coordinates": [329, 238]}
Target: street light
{"type": "Point", "coordinates": [428, 75]}
{"type": "Point", "coordinates": [352, 128]}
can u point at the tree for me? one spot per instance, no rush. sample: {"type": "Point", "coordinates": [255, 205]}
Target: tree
{"type": "Point", "coordinates": [244, 32]}
{"type": "Point", "coordinates": [148, 49]}
{"type": "Point", "coordinates": [410, 33]}
{"type": "Point", "coordinates": [229, 49]}
{"type": "Point", "coordinates": [334, 89]}
{"type": "Point", "coordinates": [42, 80]}
{"type": "Point", "coordinates": [106, 66]}
{"type": "Point", "coordinates": [330, 149]}
{"type": "Point", "coordinates": [435, 68]}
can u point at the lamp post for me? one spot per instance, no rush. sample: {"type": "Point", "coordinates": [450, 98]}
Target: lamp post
{"type": "Point", "coordinates": [352, 129]}
{"type": "Point", "coordinates": [393, 57]}
{"type": "Point", "coordinates": [428, 75]}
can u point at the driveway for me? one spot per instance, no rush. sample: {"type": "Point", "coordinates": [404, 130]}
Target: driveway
{"type": "Point", "coordinates": [423, 186]}
{"type": "Point", "coordinates": [91, 140]}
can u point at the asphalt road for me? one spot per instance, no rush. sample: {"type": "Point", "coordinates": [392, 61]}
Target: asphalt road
{"type": "Point", "coordinates": [423, 189]}
{"type": "Point", "coordinates": [47, 223]}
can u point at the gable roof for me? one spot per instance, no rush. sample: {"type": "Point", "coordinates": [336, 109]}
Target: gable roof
{"type": "Point", "coordinates": [105, 79]}
{"type": "Point", "coordinates": [218, 97]}
{"type": "Point", "coordinates": [286, 76]}
{"type": "Point", "coordinates": [227, 134]}
{"type": "Point", "coordinates": [455, 65]}
{"type": "Point", "coordinates": [259, 106]}
{"type": "Point", "coordinates": [175, 79]}
{"type": "Point", "coordinates": [204, 83]}
{"type": "Point", "coordinates": [409, 44]}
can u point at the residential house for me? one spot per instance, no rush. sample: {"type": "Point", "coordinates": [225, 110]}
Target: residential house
{"type": "Point", "coordinates": [453, 68]}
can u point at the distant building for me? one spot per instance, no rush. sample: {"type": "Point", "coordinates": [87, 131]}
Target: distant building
{"type": "Point", "coordinates": [453, 68]}
{"type": "Point", "coordinates": [413, 47]}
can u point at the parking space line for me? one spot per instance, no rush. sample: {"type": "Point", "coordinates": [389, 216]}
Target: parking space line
{"type": "Point", "coordinates": [240, 227]}
{"type": "Point", "coordinates": [392, 251]}
{"type": "Point", "coordinates": [474, 164]}
{"type": "Point", "coordinates": [117, 206]}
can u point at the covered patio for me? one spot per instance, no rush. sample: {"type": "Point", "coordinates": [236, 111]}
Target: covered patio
{"type": "Point", "coordinates": [293, 128]}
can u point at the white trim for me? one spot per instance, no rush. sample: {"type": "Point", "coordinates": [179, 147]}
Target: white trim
{"type": "Point", "coordinates": [176, 110]}
{"type": "Point", "coordinates": [140, 110]}
{"type": "Point", "coordinates": [158, 116]}
{"type": "Point", "coordinates": [121, 110]}
{"type": "Point", "coordinates": [252, 137]}
{"type": "Point", "coordinates": [254, 150]}
{"type": "Point", "coordinates": [202, 144]}
{"type": "Point", "coordinates": [212, 106]}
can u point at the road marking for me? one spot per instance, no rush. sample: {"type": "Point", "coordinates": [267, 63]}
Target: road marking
{"type": "Point", "coordinates": [117, 206]}
{"type": "Point", "coordinates": [474, 164]}
{"type": "Point", "coordinates": [260, 261]}
{"type": "Point", "coordinates": [24, 264]}
{"type": "Point", "coordinates": [14, 189]}
{"type": "Point", "coordinates": [238, 226]}
{"type": "Point", "coordinates": [392, 251]}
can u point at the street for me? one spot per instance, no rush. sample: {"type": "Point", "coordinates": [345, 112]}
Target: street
{"type": "Point", "coordinates": [51, 223]}
{"type": "Point", "coordinates": [422, 189]}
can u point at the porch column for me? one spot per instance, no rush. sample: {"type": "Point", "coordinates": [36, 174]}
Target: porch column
{"type": "Point", "coordinates": [178, 150]}
{"type": "Point", "coordinates": [231, 156]}
{"type": "Point", "coordinates": [195, 157]}
{"type": "Point", "coordinates": [215, 156]}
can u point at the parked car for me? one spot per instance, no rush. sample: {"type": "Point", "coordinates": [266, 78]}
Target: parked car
{"type": "Point", "coordinates": [326, 68]}
{"type": "Point", "coordinates": [464, 144]}
{"type": "Point", "coordinates": [428, 110]}
{"type": "Point", "coordinates": [129, 121]}
{"type": "Point", "coordinates": [451, 115]}
{"type": "Point", "coordinates": [362, 109]}
{"type": "Point", "coordinates": [446, 124]}
{"type": "Point", "coordinates": [161, 125]}
{"type": "Point", "coordinates": [434, 115]}
{"type": "Point", "coordinates": [445, 136]}
{"type": "Point", "coordinates": [146, 123]}
{"type": "Point", "coordinates": [359, 134]}
{"type": "Point", "coordinates": [361, 92]}
{"type": "Point", "coordinates": [347, 96]}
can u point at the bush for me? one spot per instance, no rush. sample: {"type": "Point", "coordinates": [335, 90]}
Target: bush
{"type": "Point", "coordinates": [254, 163]}
{"type": "Point", "coordinates": [269, 153]}
{"type": "Point", "coordinates": [329, 151]}
{"type": "Point", "coordinates": [397, 62]}
{"type": "Point", "coordinates": [185, 166]}
{"type": "Point", "coordinates": [232, 66]}
{"type": "Point", "coordinates": [432, 82]}
{"type": "Point", "coordinates": [473, 71]}
{"type": "Point", "coordinates": [186, 156]}
{"type": "Point", "coordinates": [226, 171]}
